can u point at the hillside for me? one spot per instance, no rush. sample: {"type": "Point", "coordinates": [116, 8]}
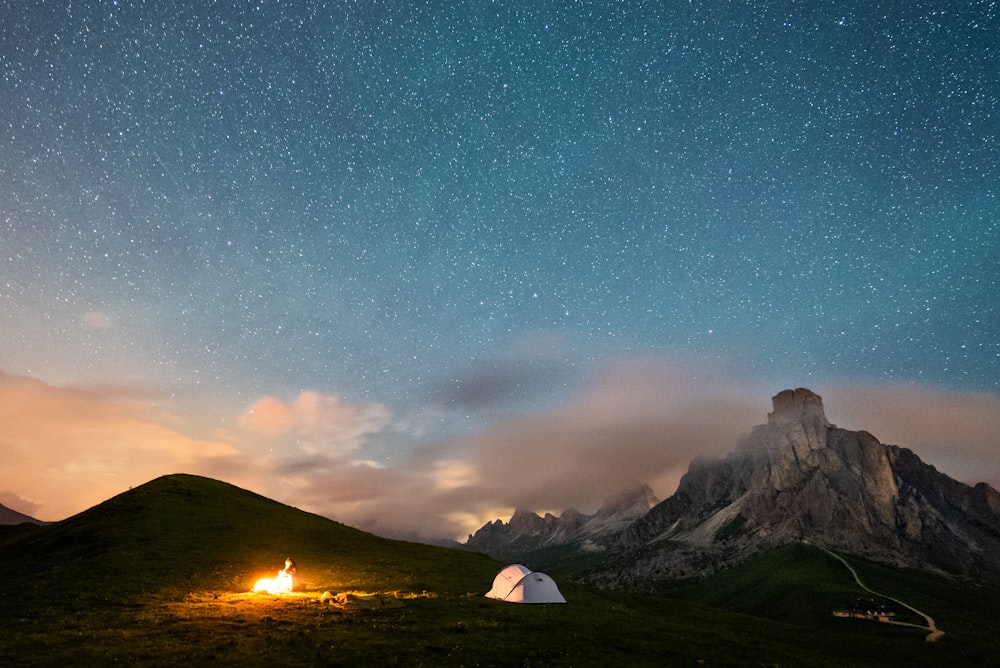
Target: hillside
{"type": "Point", "coordinates": [159, 575]}
{"type": "Point", "coordinates": [180, 533]}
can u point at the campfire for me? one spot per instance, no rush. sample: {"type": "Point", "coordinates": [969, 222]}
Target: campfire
{"type": "Point", "coordinates": [282, 583]}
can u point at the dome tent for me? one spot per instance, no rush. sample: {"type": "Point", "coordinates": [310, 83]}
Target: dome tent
{"type": "Point", "coordinates": [519, 584]}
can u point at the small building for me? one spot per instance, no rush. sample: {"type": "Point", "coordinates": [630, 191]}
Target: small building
{"type": "Point", "coordinates": [867, 609]}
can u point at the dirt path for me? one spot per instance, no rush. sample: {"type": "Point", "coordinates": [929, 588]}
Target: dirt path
{"type": "Point", "coordinates": [935, 633]}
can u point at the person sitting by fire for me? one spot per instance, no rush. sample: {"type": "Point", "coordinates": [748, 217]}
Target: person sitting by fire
{"type": "Point", "coordinates": [289, 568]}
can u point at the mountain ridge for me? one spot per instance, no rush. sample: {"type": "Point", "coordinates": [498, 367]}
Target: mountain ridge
{"type": "Point", "coordinates": [527, 531]}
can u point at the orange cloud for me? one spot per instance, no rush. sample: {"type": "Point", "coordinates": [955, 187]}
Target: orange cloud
{"type": "Point", "coordinates": [267, 416]}
{"type": "Point", "coordinates": [66, 450]}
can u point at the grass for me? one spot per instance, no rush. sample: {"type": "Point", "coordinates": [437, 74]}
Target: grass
{"type": "Point", "coordinates": [793, 583]}
{"type": "Point", "coordinates": [160, 576]}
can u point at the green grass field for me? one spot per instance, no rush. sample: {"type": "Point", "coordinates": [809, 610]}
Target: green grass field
{"type": "Point", "coordinates": [161, 575]}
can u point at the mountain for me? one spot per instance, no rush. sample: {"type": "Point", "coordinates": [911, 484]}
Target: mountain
{"type": "Point", "coordinates": [10, 517]}
{"type": "Point", "coordinates": [800, 478]}
{"type": "Point", "coordinates": [527, 531]}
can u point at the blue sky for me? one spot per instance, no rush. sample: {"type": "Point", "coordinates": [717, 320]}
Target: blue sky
{"type": "Point", "coordinates": [335, 249]}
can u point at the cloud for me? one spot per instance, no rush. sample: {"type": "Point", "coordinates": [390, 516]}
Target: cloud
{"type": "Point", "coordinates": [633, 421]}
{"type": "Point", "coordinates": [320, 423]}
{"type": "Point", "coordinates": [533, 364]}
{"type": "Point", "coordinates": [97, 321]}
{"type": "Point", "coordinates": [638, 421]}
{"type": "Point", "coordinates": [15, 502]}
{"type": "Point", "coordinates": [67, 449]}
{"type": "Point", "coordinates": [268, 416]}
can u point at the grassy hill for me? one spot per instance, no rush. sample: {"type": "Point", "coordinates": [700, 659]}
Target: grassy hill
{"type": "Point", "coordinates": [160, 575]}
{"type": "Point", "coordinates": [182, 533]}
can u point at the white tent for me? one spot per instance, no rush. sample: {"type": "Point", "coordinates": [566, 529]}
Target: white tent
{"type": "Point", "coordinates": [519, 584]}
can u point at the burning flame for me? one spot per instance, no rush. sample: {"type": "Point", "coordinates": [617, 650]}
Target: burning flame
{"type": "Point", "coordinates": [282, 584]}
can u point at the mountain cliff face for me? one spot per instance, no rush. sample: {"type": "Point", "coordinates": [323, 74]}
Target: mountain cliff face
{"type": "Point", "coordinates": [527, 531]}
{"type": "Point", "coordinates": [800, 478]}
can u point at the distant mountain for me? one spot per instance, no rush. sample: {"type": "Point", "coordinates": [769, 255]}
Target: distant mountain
{"type": "Point", "coordinates": [10, 517]}
{"type": "Point", "coordinates": [800, 478]}
{"type": "Point", "coordinates": [526, 531]}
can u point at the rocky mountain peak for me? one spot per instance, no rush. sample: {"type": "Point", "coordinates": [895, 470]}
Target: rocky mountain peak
{"type": "Point", "coordinates": [796, 433]}
{"type": "Point", "coordinates": [526, 521]}
{"type": "Point", "coordinates": [797, 406]}
{"type": "Point", "coordinates": [630, 503]}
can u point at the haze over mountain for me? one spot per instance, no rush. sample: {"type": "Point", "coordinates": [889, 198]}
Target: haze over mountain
{"type": "Point", "coordinates": [528, 531]}
{"type": "Point", "coordinates": [796, 478]}
{"type": "Point", "coordinates": [8, 516]}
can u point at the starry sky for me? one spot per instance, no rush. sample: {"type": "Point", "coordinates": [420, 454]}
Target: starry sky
{"type": "Point", "coordinates": [411, 265]}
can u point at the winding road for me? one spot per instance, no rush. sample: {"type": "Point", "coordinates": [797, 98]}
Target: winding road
{"type": "Point", "coordinates": [935, 633]}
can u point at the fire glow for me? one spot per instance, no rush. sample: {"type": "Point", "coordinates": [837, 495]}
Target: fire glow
{"type": "Point", "coordinates": [282, 584]}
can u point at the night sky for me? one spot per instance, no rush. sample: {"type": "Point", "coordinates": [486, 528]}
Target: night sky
{"type": "Point", "coordinates": [412, 265]}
